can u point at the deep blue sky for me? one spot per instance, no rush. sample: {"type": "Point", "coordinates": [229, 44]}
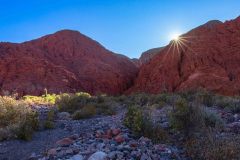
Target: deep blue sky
{"type": "Point", "coordinates": [123, 26]}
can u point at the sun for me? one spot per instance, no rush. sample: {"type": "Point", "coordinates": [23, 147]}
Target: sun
{"type": "Point", "coordinates": [175, 36]}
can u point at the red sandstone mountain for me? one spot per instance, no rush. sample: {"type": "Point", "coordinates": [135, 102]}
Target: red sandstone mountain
{"type": "Point", "coordinates": [149, 54]}
{"type": "Point", "coordinates": [208, 57]}
{"type": "Point", "coordinates": [66, 61]}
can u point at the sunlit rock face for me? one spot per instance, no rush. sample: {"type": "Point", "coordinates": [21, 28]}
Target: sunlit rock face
{"type": "Point", "coordinates": [66, 61]}
{"type": "Point", "coordinates": [206, 57]}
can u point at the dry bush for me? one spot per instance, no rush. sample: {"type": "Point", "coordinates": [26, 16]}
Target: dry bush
{"type": "Point", "coordinates": [140, 122]}
{"type": "Point", "coordinates": [85, 112]}
{"type": "Point", "coordinates": [210, 147]}
{"type": "Point", "coordinates": [17, 120]}
{"type": "Point", "coordinates": [193, 117]}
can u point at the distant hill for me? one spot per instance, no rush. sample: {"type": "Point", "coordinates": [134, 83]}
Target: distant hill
{"type": "Point", "coordinates": [66, 61]}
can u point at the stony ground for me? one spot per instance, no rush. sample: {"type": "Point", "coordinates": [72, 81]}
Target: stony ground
{"type": "Point", "coordinates": [98, 138]}
{"type": "Point", "coordinates": [102, 137]}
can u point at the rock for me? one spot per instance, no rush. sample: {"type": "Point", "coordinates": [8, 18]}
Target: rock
{"type": "Point", "coordinates": [52, 152]}
{"type": "Point", "coordinates": [64, 116]}
{"type": "Point", "coordinates": [33, 157]}
{"type": "Point", "coordinates": [115, 132]}
{"type": "Point", "coordinates": [112, 155]}
{"type": "Point", "coordinates": [77, 157]}
{"type": "Point", "coordinates": [236, 117]}
{"type": "Point", "coordinates": [74, 136]}
{"type": "Point", "coordinates": [202, 62]}
{"type": "Point", "coordinates": [145, 157]}
{"type": "Point", "coordinates": [66, 61]}
{"type": "Point", "coordinates": [234, 127]}
{"type": "Point", "coordinates": [119, 139]}
{"type": "Point", "coordinates": [144, 140]}
{"type": "Point", "coordinates": [98, 156]}
{"type": "Point", "coordinates": [64, 142]}
{"type": "Point", "coordinates": [69, 151]}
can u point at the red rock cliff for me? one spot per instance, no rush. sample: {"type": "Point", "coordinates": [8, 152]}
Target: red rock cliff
{"type": "Point", "coordinates": [206, 57]}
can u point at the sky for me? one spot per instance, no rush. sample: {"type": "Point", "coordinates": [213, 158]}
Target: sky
{"type": "Point", "coordinates": [128, 27]}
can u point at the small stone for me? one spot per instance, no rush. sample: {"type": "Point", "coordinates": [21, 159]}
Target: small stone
{"type": "Point", "coordinates": [133, 144]}
{"type": "Point", "coordinates": [236, 117]}
{"type": "Point", "coordinates": [64, 116]}
{"type": "Point", "coordinates": [64, 142]}
{"type": "Point", "coordinates": [234, 127]}
{"type": "Point", "coordinates": [116, 132]}
{"type": "Point", "coordinates": [109, 133]}
{"type": "Point", "coordinates": [98, 156]}
{"type": "Point", "coordinates": [52, 152]}
{"type": "Point", "coordinates": [69, 151]}
{"type": "Point", "coordinates": [119, 139]}
{"type": "Point", "coordinates": [33, 157]}
{"type": "Point", "coordinates": [112, 155]}
{"type": "Point", "coordinates": [74, 136]}
{"type": "Point", "coordinates": [145, 157]}
{"type": "Point", "coordinates": [77, 157]}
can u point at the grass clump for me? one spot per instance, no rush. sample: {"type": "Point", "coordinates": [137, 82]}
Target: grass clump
{"type": "Point", "coordinates": [17, 119]}
{"type": "Point", "coordinates": [85, 112]}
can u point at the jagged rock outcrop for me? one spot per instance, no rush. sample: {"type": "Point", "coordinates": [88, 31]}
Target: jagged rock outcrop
{"type": "Point", "coordinates": [206, 57]}
{"type": "Point", "coordinates": [66, 61]}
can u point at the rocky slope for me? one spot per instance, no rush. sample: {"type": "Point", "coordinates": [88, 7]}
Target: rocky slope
{"type": "Point", "coordinates": [66, 61]}
{"type": "Point", "coordinates": [149, 54]}
{"type": "Point", "coordinates": [206, 57]}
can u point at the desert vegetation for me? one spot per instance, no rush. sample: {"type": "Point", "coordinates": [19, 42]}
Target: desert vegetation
{"type": "Point", "coordinates": [191, 120]}
{"type": "Point", "coordinates": [17, 120]}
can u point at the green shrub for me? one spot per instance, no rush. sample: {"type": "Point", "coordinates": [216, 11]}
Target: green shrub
{"type": "Point", "coordinates": [205, 97]}
{"type": "Point", "coordinates": [229, 103]}
{"type": "Point", "coordinates": [190, 117]}
{"type": "Point", "coordinates": [181, 114]}
{"type": "Point", "coordinates": [47, 99]}
{"type": "Point", "coordinates": [72, 102]}
{"type": "Point", "coordinates": [17, 120]}
{"type": "Point", "coordinates": [105, 109]}
{"type": "Point", "coordinates": [134, 119]}
{"type": "Point", "coordinates": [141, 124]}
{"type": "Point", "coordinates": [48, 124]}
{"type": "Point", "coordinates": [85, 112]}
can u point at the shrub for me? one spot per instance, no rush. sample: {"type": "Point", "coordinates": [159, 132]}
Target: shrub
{"type": "Point", "coordinates": [180, 116]}
{"type": "Point", "coordinates": [134, 119]}
{"type": "Point", "coordinates": [190, 117]}
{"type": "Point", "coordinates": [47, 99]}
{"type": "Point", "coordinates": [105, 109]}
{"type": "Point", "coordinates": [205, 97]}
{"type": "Point", "coordinates": [229, 103]}
{"type": "Point", "coordinates": [85, 112]}
{"type": "Point", "coordinates": [17, 120]}
{"type": "Point", "coordinates": [49, 122]}
{"type": "Point", "coordinates": [213, 148]}
{"type": "Point", "coordinates": [72, 102]}
{"type": "Point", "coordinates": [140, 123]}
